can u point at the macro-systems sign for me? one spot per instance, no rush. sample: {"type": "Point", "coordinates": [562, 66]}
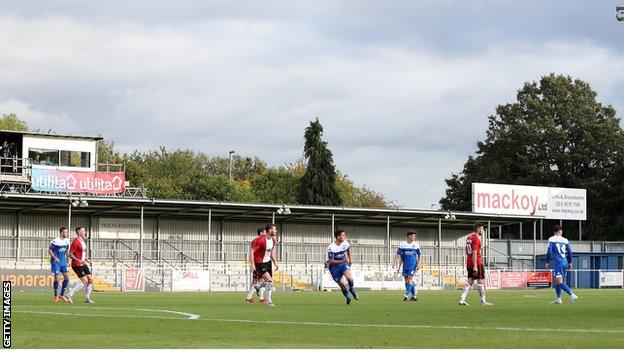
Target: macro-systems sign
{"type": "Point", "coordinates": [53, 180]}
{"type": "Point", "coordinates": [552, 203]}
{"type": "Point", "coordinates": [119, 228]}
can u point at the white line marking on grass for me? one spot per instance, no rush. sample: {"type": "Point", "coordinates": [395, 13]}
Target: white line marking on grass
{"type": "Point", "coordinates": [536, 297]}
{"type": "Point", "coordinates": [354, 325]}
{"type": "Point", "coordinates": [188, 316]}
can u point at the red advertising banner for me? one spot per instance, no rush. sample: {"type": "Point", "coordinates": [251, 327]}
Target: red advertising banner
{"type": "Point", "coordinates": [492, 280]}
{"type": "Point", "coordinates": [513, 280]}
{"type": "Point", "coordinates": [133, 279]}
{"type": "Point", "coordinates": [539, 279]}
{"type": "Point", "coordinates": [53, 180]}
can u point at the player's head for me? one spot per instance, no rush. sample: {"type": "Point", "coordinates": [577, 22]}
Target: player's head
{"type": "Point", "coordinates": [63, 233]}
{"type": "Point", "coordinates": [261, 231]}
{"type": "Point", "coordinates": [340, 235]}
{"type": "Point", "coordinates": [558, 230]}
{"type": "Point", "coordinates": [478, 228]}
{"type": "Point", "coordinates": [271, 229]}
{"type": "Point", "coordinates": [411, 235]}
{"type": "Point", "coordinates": [81, 232]}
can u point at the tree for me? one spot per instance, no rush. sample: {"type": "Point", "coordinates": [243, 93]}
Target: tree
{"type": "Point", "coordinates": [556, 134]}
{"type": "Point", "coordinates": [354, 196]}
{"type": "Point", "coordinates": [276, 186]}
{"type": "Point", "coordinates": [11, 122]}
{"type": "Point", "coordinates": [318, 185]}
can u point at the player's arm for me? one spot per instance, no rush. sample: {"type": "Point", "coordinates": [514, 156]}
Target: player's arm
{"type": "Point", "coordinates": [474, 256]}
{"type": "Point", "coordinates": [548, 256]}
{"type": "Point", "coordinates": [419, 260]}
{"type": "Point", "coordinates": [569, 256]}
{"type": "Point", "coordinates": [51, 252]}
{"type": "Point", "coordinates": [331, 259]}
{"type": "Point", "coordinates": [397, 261]}
{"type": "Point", "coordinates": [349, 256]}
{"type": "Point", "coordinates": [274, 259]}
{"type": "Point", "coordinates": [252, 266]}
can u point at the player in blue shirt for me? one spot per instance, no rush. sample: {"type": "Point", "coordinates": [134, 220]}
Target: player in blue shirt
{"type": "Point", "coordinates": [560, 252]}
{"type": "Point", "coordinates": [408, 255]}
{"type": "Point", "coordinates": [58, 249]}
{"type": "Point", "coordinates": [339, 263]}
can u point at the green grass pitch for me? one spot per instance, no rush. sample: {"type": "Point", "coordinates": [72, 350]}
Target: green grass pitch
{"type": "Point", "coordinates": [519, 319]}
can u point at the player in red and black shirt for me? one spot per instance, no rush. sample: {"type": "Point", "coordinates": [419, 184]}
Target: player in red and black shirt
{"type": "Point", "coordinates": [80, 265]}
{"type": "Point", "coordinates": [256, 278]}
{"type": "Point", "coordinates": [263, 248]}
{"type": "Point", "coordinates": [474, 265]}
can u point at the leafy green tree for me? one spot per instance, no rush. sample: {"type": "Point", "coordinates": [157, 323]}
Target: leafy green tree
{"type": "Point", "coordinates": [556, 134]}
{"type": "Point", "coordinates": [318, 185]}
{"type": "Point", "coordinates": [11, 122]}
{"type": "Point", "coordinates": [354, 196]}
{"type": "Point", "coordinates": [276, 186]}
{"type": "Point", "coordinates": [107, 154]}
{"type": "Point", "coordinates": [243, 168]}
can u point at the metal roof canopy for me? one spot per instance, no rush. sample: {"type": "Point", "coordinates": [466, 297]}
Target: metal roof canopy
{"type": "Point", "coordinates": [182, 209]}
{"type": "Point", "coordinates": [48, 135]}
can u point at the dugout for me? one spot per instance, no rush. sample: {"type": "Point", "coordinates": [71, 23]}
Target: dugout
{"type": "Point", "coordinates": [587, 266]}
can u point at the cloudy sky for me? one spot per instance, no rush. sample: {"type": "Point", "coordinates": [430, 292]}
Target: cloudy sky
{"type": "Point", "coordinates": [403, 88]}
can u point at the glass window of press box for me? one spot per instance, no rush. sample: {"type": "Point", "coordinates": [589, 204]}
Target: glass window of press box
{"type": "Point", "coordinates": [44, 157]}
{"type": "Point", "coordinates": [64, 158]}
{"type": "Point", "coordinates": [75, 158]}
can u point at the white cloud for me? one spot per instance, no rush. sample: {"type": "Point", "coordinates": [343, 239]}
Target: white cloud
{"type": "Point", "coordinates": [37, 119]}
{"type": "Point", "coordinates": [398, 118]}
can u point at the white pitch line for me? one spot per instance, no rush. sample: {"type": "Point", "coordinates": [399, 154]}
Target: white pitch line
{"type": "Point", "coordinates": [354, 325]}
{"type": "Point", "coordinates": [535, 297]}
{"type": "Point", "coordinates": [189, 316]}
{"type": "Point", "coordinates": [97, 315]}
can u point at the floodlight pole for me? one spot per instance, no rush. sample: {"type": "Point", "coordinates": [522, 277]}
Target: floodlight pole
{"type": "Point", "coordinates": [580, 230]}
{"type": "Point", "coordinates": [17, 237]}
{"type": "Point", "coordinates": [141, 241]}
{"type": "Point", "coordinates": [231, 154]}
{"type": "Point", "coordinates": [489, 235]}
{"type": "Point", "coordinates": [209, 233]}
{"type": "Point", "coordinates": [333, 227]}
{"type": "Point", "coordinates": [69, 215]}
{"type": "Point", "coordinates": [534, 244]}
{"type": "Point", "coordinates": [387, 240]}
{"type": "Point", "coordinates": [440, 253]}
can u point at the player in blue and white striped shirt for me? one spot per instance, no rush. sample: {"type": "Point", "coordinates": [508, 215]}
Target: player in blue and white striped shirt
{"type": "Point", "coordinates": [560, 252]}
{"type": "Point", "coordinates": [408, 255]}
{"type": "Point", "coordinates": [339, 263]}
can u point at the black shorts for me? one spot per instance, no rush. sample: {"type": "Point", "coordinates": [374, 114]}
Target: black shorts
{"type": "Point", "coordinates": [262, 268]}
{"type": "Point", "coordinates": [81, 271]}
{"type": "Point", "coordinates": [480, 274]}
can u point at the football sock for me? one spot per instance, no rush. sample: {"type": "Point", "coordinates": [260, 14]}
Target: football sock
{"type": "Point", "coordinates": [252, 288]}
{"type": "Point", "coordinates": [414, 292]}
{"type": "Point", "coordinates": [566, 288]}
{"type": "Point", "coordinates": [465, 291]}
{"type": "Point", "coordinates": [64, 286]}
{"type": "Point", "coordinates": [55, 284]}
{"type": "Point", "coordinates": [269, 288]}
{"type": "Point", "coordinates": [76, 288]}
{"type": "Point", "coordinates": [481, 288]}
{"type": "Point", "coordinates": [89, 289]}
{"type": "Point", "coordinates": [345, 292]}
{"type": "Point", "coordinates": [408, 289]}
{"type": "Point", "coordinates": [558, 291]}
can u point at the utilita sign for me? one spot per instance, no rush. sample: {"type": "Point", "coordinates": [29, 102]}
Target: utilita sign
{"type": "Point", "coordinates": [53, 180]}
{"type": "Point", "coordinates": [552, 203]}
